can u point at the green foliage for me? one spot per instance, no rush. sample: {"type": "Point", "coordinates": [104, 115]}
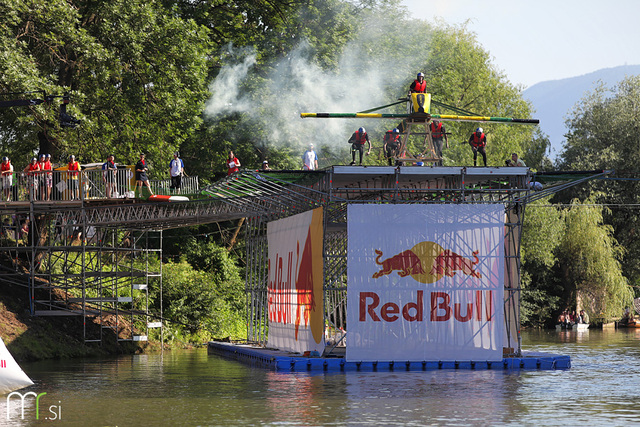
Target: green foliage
{"type": "Point", "coordinates": [603, 134]}
{"type": "Point", "coordinates": [589, 256]}
{"type": "Point", "coordinates": [198, 305]}
{"type": "Point", "coordinates": [542, 291]}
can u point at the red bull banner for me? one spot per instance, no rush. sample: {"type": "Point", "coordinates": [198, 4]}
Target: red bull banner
{"type": "Point", "coordinates": [295, 298]}
{"type": "Point", "coordinates": [425, 282]}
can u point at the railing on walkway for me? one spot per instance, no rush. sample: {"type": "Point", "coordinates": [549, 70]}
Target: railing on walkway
{"type": "Point", "coordinates": [86, 185]}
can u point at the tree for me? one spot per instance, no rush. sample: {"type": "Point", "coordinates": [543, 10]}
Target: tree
{"type": "Point", "coordinates": [589, 256]}
{"type": "Point", "coordinates": [604, 130]}
{"type": "Point", "coordinates": [135, 74]}
{"type": "Point", "coordinates": [542, 288]}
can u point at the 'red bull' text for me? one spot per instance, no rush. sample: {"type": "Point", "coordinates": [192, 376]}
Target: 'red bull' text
{"type": "Point", "coordinates": [441, 308]}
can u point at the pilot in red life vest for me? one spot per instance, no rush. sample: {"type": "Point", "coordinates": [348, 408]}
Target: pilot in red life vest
{"type": "Point", "coordinates": [391, 142]}
{"type": "Point", "coordinates": [357, 141]}
{"type": "Point", "coordinates": [478, 142]}
{"type": "Point", "coordinates": [438, 132]}
{"type": "Point", "coordinates": [418, 85]}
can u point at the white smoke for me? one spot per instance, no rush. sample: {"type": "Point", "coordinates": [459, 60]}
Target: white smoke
{"type": "Point", "coordinates": [297, 84]}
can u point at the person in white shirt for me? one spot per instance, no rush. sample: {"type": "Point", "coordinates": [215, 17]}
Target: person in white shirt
{"type": "Point", "coordinates": [310, 159]}
{"type": "Point", "coordinates": [176, 170]}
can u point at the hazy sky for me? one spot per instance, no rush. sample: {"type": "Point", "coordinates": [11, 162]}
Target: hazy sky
{"type": "Point", "coordinates": [533, 41]}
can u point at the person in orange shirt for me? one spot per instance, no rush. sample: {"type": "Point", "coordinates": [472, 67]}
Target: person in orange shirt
{"type": "Point", "coordinates": [74, 177]}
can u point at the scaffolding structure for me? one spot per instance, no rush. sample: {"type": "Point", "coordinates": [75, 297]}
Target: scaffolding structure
{"type": "Point", "coordinates": [271, 196]}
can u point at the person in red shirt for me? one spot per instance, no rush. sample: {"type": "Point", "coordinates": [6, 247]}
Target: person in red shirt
{"type": "Point", "coordinates": [32, 170]}
{"type": "Point", "coordinates": [233, 164]}
{"type": "Point", "coordinates": [6, 169]}
{"type": "Point", "coordinates": [478, 142]}
{"type": "Point", "coordinates": [48, 176]}
{"type": "Point", "coordinates": [73, 177]}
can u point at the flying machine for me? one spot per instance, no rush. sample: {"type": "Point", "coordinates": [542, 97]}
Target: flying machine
{"type": "Point", "coordinates": [419, 115]}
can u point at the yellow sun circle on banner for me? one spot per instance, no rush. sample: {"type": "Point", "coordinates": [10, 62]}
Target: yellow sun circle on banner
{"type": "Point", "coordinates": [427, 252]}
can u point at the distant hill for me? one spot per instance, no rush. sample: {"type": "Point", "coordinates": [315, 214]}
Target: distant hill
{"type": "Point", "coordinates": [553, 99]}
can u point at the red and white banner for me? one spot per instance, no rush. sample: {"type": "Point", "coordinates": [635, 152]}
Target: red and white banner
{"type": "Point", "coordinates": [425, 282]}
{"type": "Point", "coordinates": [296, 321]}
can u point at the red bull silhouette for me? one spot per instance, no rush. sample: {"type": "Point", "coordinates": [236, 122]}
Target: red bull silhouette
{"type": "Point", "coordinates": [407, 263]}
{"type": "Point", "coordinates": [448, 262]}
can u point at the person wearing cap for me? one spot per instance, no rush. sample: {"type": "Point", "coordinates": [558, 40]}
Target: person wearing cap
{"type": "Point", "coordinates": [141, 175]}
{"type": "Point", "coordinates": [109, 170]}
{"type": "Point", "coordinates": [32, 170]}
{"type": "Point", "coordinates": [73, 177]}
{"type": "Point", "coordinates": [265, 166]}
{"type": "Point", "coordinates": [233, 164]}
{"type": "Point", "coordinates": [478, 142]}
{"type": "Point", "coordinates": [310, 159]}
{"type": "Point", "coordinates": [176, 170]}
{"type": "Point", "coordinates": [6, 169]}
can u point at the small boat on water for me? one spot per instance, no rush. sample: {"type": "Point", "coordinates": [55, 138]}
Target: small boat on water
{"type": "Point", "coordinates": [572, 327]}
{"type": "Point", "coordinates": [12, 377]}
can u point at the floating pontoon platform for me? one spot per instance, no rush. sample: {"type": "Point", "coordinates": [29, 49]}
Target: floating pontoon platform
{"type": "Point", "coordinates": [286, 362]}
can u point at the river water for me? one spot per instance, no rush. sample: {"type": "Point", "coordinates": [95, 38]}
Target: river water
{"type": "Point", "coordinates": [191, 388]}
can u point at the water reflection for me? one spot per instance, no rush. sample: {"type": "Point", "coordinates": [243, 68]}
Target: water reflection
{"type": "Point", "coordinates": [192, 388]}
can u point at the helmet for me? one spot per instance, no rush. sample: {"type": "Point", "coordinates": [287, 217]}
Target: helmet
{"type": "Point", "coordinates": [4, 159]}
{"type": "Point", "coordinates": [361, 130]}
{"type": "Point", "coordinates": [48, 156]}
{"type": "Point", "coordinates": [42, 156]}
{"type": "Point", "coordinates": [72, 156]}
{"type": "Point", "coordinates": [395, 130]}
{"type": "Point", "coordinates": [420, 75]}
{"type": "Point", "coordinates": [34, 159]}
{"type": "Point", "coordinates": [479, 130]}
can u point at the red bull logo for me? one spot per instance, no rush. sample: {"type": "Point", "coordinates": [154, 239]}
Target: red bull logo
{"type": "Point", "coordinates": [427, 262]}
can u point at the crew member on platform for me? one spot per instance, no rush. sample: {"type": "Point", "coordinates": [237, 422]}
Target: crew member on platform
{"type": "Point", "coordinates": [6, 168]}
{"type": "Point", "coordinates": [438, 133]}
{"type": "Point", "coordinates": [310, 159]}
{"type": "Point", "coordinates": [233, 164]}
{"type": "Point", "coordinates": [73, 177]}
{"type": "Point", "coordinates": [141, 175]}
{"type": "Point", "coordinates": [515, 161]}
{"type": "Point", "coordinates": [418, 85]}
{"type": "Point", "coordinates": [176, 170]}
{"type": "Point", "coordinates": [357, 141]}
{"type": "Point", "coordinates": [478, 142]}
{"type": "Point", "coordinates": [391, 143]}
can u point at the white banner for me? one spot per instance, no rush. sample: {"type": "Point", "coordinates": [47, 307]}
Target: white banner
{"type": "Point", "coordinates": [425, 282]}
{"type": "Point", "coordinates": [296, 321]}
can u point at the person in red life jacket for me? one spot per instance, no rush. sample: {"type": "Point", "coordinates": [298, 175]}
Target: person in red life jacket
{"type": "Point", "coordinates": [73, 177]}
{"type": "Point", "coordinates": [438, 133]}
{"type": "Point", "coordinates": [478, 142]}
{"type": "Point", "coordinates": [32, 170]}
{"type": "Point", "coordinates": [391, 144]}
{"type": "Point", "coordinates": [357, 142]}
{"type": "Point", "coordinates": [6, 168]}
{"type": "Point", "coordinates": [141, 176]}
{"type": "Point", "coordinates": [233, 164]}
{"type": "Point", "coordinates": [42, 159]}
{"type": "Point", "coordinates": [418, 85]}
